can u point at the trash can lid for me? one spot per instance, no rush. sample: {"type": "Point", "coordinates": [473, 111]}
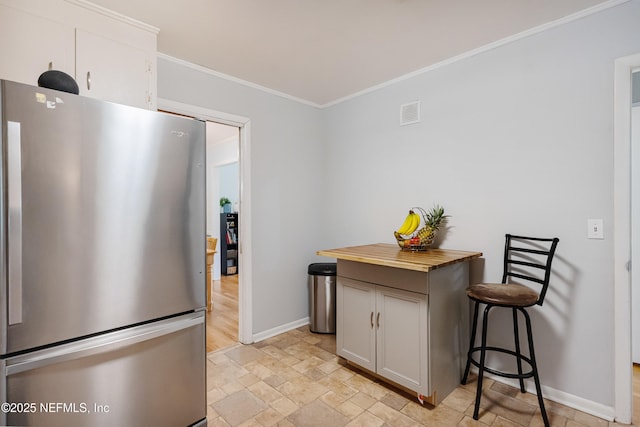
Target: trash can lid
{"type": "Point", "coordinates": [323, 268]}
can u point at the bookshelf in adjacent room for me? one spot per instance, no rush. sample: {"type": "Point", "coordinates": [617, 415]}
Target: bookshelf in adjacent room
{"type": "Point", "coordinates": [229, 243]}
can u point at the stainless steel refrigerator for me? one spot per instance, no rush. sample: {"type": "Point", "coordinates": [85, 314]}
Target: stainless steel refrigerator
{"type": "Point", "coordinates": [102, 263]}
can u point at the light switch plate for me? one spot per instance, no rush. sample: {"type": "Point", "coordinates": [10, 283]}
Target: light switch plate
{"type": "Point", "coordinates": [595, 229]}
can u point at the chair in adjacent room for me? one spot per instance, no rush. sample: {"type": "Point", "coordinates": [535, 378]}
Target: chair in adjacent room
{"type": "Point", "coordinates": [212, 242]}
{"type": "Point", "coordinates": [526, 260]}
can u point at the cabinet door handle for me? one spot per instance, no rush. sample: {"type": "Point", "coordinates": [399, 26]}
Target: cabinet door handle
{"type": "Point", "coordinates": [88, 80]}
{"type": "Point", "coordinates": [378, 320]}
{"type": "Point", "coordinates": [372, 319]}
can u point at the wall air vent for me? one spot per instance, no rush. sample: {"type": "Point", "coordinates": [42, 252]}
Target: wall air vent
{"type": "Point", "coordinates": [410, 113]}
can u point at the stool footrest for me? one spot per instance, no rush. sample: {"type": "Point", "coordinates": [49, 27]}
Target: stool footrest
{"type": "Point", "coordinates": [528, 374]}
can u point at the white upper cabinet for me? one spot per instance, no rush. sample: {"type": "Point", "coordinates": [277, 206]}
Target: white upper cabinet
{"type": "Point", "coordinates": [112, 57]}
{"type": "Point", "coordinates": [113, 71]}
{"type": "Point", "coordinates": [31, 45]}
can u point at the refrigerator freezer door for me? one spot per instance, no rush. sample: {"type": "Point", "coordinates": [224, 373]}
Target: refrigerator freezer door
{"type": "Point", "coordinates": [151, 375]}
{"type": "Point", "coordinates": [107, 228]}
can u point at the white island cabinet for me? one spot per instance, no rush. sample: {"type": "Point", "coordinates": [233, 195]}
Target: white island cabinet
{"type": "Point", "coordinates": [111, 57]}
{"type": "Point", "coordinates": [404, 316]}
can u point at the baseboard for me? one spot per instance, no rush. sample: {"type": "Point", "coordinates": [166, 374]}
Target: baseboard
{"type": "Point", "coordinates": [572, 401]}
{"type": "Point", "coordinates": [576, 402]}
{"type": "Point", "coordinates": [260, 336]}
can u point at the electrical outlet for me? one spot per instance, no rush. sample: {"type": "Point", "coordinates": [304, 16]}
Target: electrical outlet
{"type": "Point", "coordinates": [595, 229]}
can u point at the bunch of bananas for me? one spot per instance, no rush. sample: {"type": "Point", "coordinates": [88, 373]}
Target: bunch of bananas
{"type": "Point", "coordinates": [410, 224]}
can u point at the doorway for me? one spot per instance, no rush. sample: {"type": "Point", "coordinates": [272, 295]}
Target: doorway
{"type": "Point", "coordinates": [623, 366]}
{"type": "Point", "coordinates": [635, 243]}
{"type": "Point", "coordinates": [635, 213]}
{"type": "Point", "coordinates": [245, 269]}
{"type": "Point", "coordinates": [223, 230]}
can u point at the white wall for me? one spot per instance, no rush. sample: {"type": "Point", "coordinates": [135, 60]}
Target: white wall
{"type": "Point", "coordinates": [229, 183]}
{"type": "Point", "coordinates": [219, 154]}
{"type": "Point", "coordinates": [517, 139]}
{"type": "Point", "coordinates": [286, 160]}
{"type": "Point", "coordinates": [222, 150]}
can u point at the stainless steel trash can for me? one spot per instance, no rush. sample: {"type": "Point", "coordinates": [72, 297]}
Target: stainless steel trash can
{"type": "Point", "coordinates": [322, 297]}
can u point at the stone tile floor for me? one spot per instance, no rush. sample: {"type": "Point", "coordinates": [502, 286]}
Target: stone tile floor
{"type": "Point", "coordinates": [295, 379]}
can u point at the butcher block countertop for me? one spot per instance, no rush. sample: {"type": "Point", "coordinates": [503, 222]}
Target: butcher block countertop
{"type": "Point", "coordinates": [390, 255]}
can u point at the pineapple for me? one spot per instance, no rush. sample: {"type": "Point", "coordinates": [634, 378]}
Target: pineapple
{"type": "Point", "coordinates": [435, 216]}
{"type": "Point", "coordinates": [433, 219]}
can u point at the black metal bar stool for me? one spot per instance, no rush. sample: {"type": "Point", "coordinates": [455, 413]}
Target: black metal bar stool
{"type": "Point", "coordinates": [526, 259]}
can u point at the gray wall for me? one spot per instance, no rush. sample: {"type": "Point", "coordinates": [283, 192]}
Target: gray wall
{"type": "Point", "coordinates": [287, 166]}
{"type": "Point", "coordinates": [517, 139]}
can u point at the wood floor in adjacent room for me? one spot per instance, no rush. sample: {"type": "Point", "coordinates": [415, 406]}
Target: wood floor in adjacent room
{"type": "Point", "coordinates": [222, 321]}
{"type": "Point", "coordinates": [636, 394]}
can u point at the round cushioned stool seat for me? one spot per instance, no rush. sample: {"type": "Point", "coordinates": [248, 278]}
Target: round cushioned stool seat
{"type": "Point", "coordinates": [511, 294]}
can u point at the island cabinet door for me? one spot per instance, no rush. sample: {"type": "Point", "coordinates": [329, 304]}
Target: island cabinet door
{"type": "Point", "coordinates": [402, 351]}
{"type": "Point", "coordinates": [355, 317]}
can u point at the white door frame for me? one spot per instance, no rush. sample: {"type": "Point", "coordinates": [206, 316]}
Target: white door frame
{"type": "Point", "coordinates": [245, 303]}
{"type": "Point", "coordinates": [623, 371]}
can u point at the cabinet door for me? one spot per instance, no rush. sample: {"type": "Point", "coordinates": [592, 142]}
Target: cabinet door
{"type": "Point", "coordinates": [355, 327]}
{"type": "Point", "coordinates": [402, 351]}
{"type": "Point", "coordinates": [30, 45]}
{"type": "Point", "coordinates": [112, 71]}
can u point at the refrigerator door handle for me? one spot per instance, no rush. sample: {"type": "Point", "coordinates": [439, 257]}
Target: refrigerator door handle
{"type": "Point", "coordinates": [14, 196]}
{"type": "Point", "coordinates": [102, 344]}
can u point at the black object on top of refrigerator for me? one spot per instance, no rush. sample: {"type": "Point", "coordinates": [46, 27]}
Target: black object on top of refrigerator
{"type": "Point", "coordinates": [102, 261]}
